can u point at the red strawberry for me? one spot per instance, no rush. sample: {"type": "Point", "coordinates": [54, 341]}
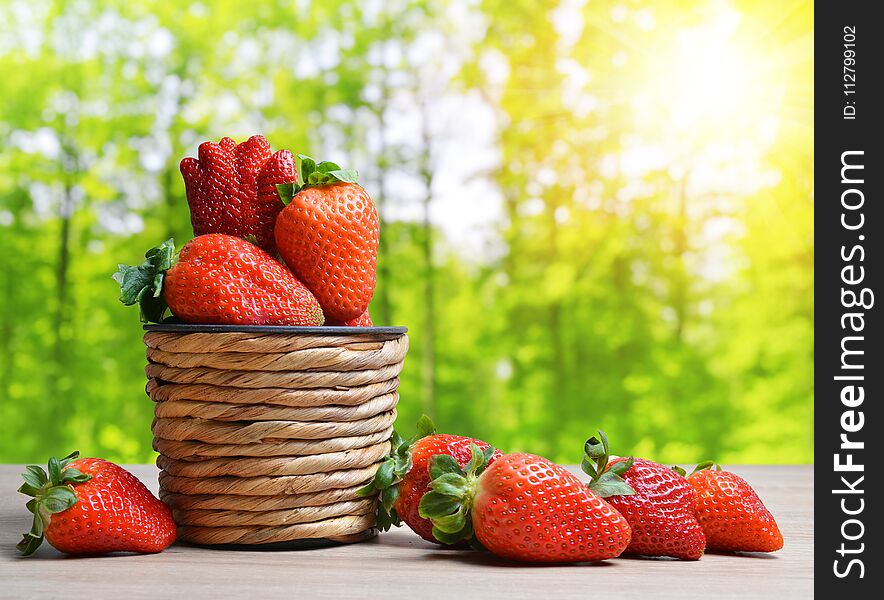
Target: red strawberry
{"type": "Point", "coordinates": [522, 507]}
{"type": "Point", "coordinates": [657, 502]}
{"type": "Point", "coordinates": [405, 474]}
{"type": "Point", "coordinates": [732, 515]}
{"type": "Point", "coordinates": [217, 279]}
{"type": "Point", "coordinates": [328, 237]}
{"type": "Point", "coordinates": [231, 188]}
{"type": "Point", "coordinates": [363, 320]}
{"type": "Point", "coordinates": [92, 506]}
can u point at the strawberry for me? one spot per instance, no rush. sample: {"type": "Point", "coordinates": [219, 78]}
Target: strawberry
{"type": "Point", "coordinates": [657, 502]}
{"type": "Point", "coordinates": [231, 188]}
{"type": "Point", "coordinates": [218, 279]}
{"type": "Point", "coordinates": [92, 506]}
{"type": "Point", "coordinates": [363, 320]}
{"type": "Point", "coordinates": [731, 514]}
{"type": "Point", "coordinates": [522, 507]}
{"type": "Point", "coordinates": [404, 476]}
{"type": "Point", "coordinates": [328, 237]}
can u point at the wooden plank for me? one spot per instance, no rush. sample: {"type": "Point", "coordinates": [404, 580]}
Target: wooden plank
{"type": "Point", "coordinates": [401, 565]}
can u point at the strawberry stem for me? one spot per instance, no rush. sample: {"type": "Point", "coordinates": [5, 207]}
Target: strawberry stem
{"type": "Point", "coordinates": [703, 466]}
{"type": "Point", "coordinates": [394, 467]}
{"type": "Point", "coordinates": [315, 174]}
{"type": "Point", "coordinates": [52, 493]}
{"type": "Point", "coordinates": [449, 503]}
{"type": "Point", "coordinates": [605, 480]}
{"type": "Point", "coordinates": [143, 284]}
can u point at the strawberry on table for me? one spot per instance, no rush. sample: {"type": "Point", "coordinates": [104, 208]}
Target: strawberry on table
{"type": "Point", "coordinates": [732, 515]}
{"type": "Point", "coordinates": [657, 502]}
{"type": "Point", "coordinates": [404, 476]}
{"type": "Point", "coordinates": [522, 507]}
{"type": "Point", "coordinates": [231, 188]}
{"type": "Point", "coordinates": [217, 279]}
{"type": "Point", "coordinates": [328, 236]}
{"type": "Point", "coordinates": [92, 506]}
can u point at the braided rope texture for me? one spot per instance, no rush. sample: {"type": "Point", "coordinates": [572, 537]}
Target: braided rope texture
{"type": "Point", "coordinates": [266, 438]}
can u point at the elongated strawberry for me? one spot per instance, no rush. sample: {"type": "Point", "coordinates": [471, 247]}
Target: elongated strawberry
{"type": "Point", "coordinates": [657, 502]}
{"type": "Point", "coordinates": [231, 188]}
{"type": "Point", "coordinates": [92, 506]}
{"type": "Point", "coordinates": [731, 514]}
{"type": "Point", "coordinates": [522, 507]}
{"type": "Point", "coordinates": [217, 279]}
{"type": "Point", "coordinates": [328, 237]}
{"type": "Point", "coordinates": [363, 320]}
{"type": "Point", "coordinates": [404, 476]}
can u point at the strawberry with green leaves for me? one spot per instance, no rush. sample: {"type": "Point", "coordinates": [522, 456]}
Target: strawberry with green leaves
{"type": "Point", "coordinates": [328, 236]}
{"type": "Point", "coordinates": [231, 188]}
{"type": "Point", "coordinates": [92, 506]}
{"type": "Point", "coordinates": [731, 514]}
{"type": "Point", "coordinates": [658, 503]}
{"type": "Point", "coordinates": [217, 279]}
{"type": "Point", "coordinates": [404, 476]}
{"type": "Point", "coordinates": [522, 507]}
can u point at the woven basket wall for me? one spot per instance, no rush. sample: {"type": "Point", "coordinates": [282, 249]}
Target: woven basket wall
{"type": "Point", "coordinates": [266, 434]}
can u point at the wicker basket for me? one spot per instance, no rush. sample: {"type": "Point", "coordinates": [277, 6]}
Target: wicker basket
{"type": "Point", "coordinates": [265, 434]}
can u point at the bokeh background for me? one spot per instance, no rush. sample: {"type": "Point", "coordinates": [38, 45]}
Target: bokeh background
{"type": "Point", "coordinates": [595, 213]}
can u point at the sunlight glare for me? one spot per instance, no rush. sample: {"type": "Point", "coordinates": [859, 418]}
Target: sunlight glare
{"type": "Point", "coordinates": [713, 83]}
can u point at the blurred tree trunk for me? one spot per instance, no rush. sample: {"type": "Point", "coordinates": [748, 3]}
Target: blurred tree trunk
{"type": "Point", "coordinates": [174, 225]}
{"type": "Point", "coordinates": [428, 347]}
{"type": "Point", "coordinates": [680, 280]}
{"type": "Point", "coordinates": [560, 408]}
{"type": "Point", "coordinates": [7, 330]}
{"type": "Point", "coordinates": [382, 293]}
{"type": "Point", "coordinates": [61, 367]}
{"type": "Point", "coordinates": [62, 265]}
{"type": "Point", "coordinates": [63, 259]}
{"type": "Point", "coordinates": [511, 269]}
{"type": "Point", "coordinates": [168, 177]}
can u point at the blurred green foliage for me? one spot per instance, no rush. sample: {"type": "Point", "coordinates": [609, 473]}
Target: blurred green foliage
{"type": "Point", "coordinates": [639, 273]}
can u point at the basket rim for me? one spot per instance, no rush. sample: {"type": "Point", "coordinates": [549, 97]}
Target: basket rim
{"type": "Point", "coordinates": [313, 330]}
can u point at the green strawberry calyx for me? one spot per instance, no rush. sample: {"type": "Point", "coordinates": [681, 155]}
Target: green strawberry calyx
{"type": "Point", "coordinates": [143, 284]}
{"type": "Point", "coordinates": [50, 494]}
{"type": "Point", "coordinates": [315, 174]}
{"type": "Point", "coordinates": [703, 466]}
{"type": "Point", "coordinates": [449, 503]}
{"type": "Point", "coordinates": [393, 468]}
{"type": "Point", "coordinates": [606, 480]}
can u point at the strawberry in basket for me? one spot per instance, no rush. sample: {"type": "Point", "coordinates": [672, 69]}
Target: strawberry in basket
{"type": "Point", "coordinates": [217, 279]}
{"type": "Point", "coordinates": [231, 188]}
{"type": "Point", "coordinates": [328, 236]}
{"type": "Point", "coordinates": [363, 320]}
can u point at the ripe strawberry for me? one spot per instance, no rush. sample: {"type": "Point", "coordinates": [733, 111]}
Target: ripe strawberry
{"type": "Point", "coordinates": [732, 515]}
{"type": "Point", "coordinates": [217, 279]}
{"type": "Point", "coordinates": [328, 237]}
{"type": "Point", "coordinates": [404, 476]}
{"type": "Point", "coordinates": [522, 507]}
{"type": "Point", "coordinates": [657, 502]}
{"type": "Point", "coordinates": [92, 506]}
{"type": "Point", "coordinates": [231, 188]}
{"type": "Point", "coordinates": [363, 320]}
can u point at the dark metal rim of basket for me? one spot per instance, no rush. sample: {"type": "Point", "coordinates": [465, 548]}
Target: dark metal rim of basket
{"type": "Point", "coordinates": [322, 330]}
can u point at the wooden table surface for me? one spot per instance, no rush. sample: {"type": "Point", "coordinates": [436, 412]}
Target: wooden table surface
{"type": "Point", "coordinates": [400, 565]}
